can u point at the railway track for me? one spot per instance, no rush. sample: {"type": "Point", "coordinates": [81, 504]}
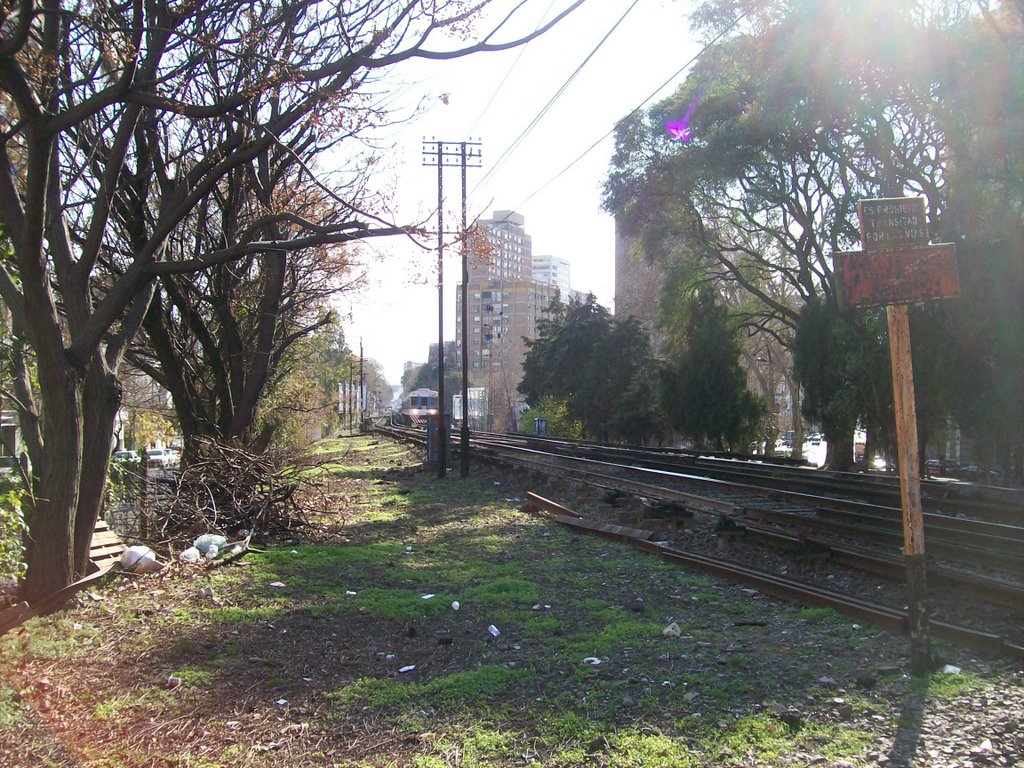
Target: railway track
{"type": "Point", "coordinates": [950, 498]}
{"type": "Point", "coordinates": [976, 563]}
{"type": "Point", "coordinates": [892, 619]}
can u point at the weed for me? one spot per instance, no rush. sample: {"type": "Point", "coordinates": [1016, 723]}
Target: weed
{"type": "Point", "coordinates": [10, 710]}
{"type": "Point", "coordinates": [231, 614]}
{"type": "Point", "coordinates": [816, 613]}
{"type": "Point", "coordinates": [111, 709]}
{"type": "Point", "coordinates": [451, 693]}
{"type": "Point", "coordinates": [194, 677]}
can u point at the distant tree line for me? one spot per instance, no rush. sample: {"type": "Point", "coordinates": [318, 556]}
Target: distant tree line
{"type": "Point", "coordinates": [592, 375]}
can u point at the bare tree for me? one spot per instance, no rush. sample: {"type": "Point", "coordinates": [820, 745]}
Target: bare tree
{"type": "Point", "coordinates": [104, 104]}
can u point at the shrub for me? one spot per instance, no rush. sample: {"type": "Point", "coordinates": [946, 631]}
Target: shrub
{"type": "Point", "coordinates": [12, 527]}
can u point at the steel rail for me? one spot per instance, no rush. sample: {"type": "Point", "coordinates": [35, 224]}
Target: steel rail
{"type": "Point", "coordinates": [1006, 541]}
{"type": "Point", "coordinates": [940, 497]}
{"type": "Point", "coordinates": [993, 590]}
{"type": "Point", "coordinates": [890, 618]}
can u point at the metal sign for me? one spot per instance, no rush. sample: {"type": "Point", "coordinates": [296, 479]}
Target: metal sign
{"type": "Point", "coordinates": [892, 223]}
{"type": "Point", "coordinates": [877, 278]}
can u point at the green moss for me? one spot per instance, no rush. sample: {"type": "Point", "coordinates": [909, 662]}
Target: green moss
{"type": "Point", "coordinates": [636, 749]}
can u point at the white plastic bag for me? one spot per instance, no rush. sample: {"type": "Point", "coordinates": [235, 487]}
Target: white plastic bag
{"type": "Point", "coordinates": [140, 559]}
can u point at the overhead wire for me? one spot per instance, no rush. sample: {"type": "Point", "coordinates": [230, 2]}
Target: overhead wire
{"type": "Point", "coordinates": [508, 72]}
{"type": "Point", "coordinates": [547, 107]}
{"type": "Point", "coordinates": [632, 112]}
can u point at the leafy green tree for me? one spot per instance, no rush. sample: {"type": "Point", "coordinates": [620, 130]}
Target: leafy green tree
{"type": "Point", "coordinates": [556, 412]}
{"type": "Point", "coordinates": [597, 366]}
{"type": "Point", "coordinates": [980, 66]}
{"type": "Point", "coordinates": [829, 361]}
{"type": "Point", "coordinates": [704, 392]}
{"type": "Point", "coordinates": [910, 99]}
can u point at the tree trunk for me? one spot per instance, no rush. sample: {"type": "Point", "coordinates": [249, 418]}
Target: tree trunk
{"type": "Point", "coordinates": [798, 420]}
{"type": "Point", "coordinates": [101, 399]}
{"type": "Point", "coordinates": [259, 367]}
{"type": "Point", "coordinates": [50, 515]}
{"type": "Point", "coordinates": [839, 456]}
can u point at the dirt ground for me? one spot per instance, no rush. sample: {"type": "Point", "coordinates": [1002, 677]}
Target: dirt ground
{"type": "Point", "coordinates": [442, 626]}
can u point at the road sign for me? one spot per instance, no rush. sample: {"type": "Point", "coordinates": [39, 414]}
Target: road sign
{"type": "Point", "coordinates": [898, 267]}
{"type": "Point", "coordinates": [876, 278]}
{"type": "Point", "coordinates": [892, 223]}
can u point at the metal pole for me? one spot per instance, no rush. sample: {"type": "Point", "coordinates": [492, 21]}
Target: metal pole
{"type": "Point", "coordinates": [464, 443]}
{"type": "Point", "coordinates": [442, 435]}
{"type": "Point", "coordinates": [362, 388]}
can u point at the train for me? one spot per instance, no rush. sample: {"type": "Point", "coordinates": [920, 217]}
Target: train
{"type": "Point", "coordinates": [419, 406]}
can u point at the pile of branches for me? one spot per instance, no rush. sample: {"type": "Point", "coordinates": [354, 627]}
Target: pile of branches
{"type": "Point", "coordinates": [227, 489]}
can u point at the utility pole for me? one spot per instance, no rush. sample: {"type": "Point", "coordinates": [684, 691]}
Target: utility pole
{"type": "Point", "coordinates": [348, 399]}
{"type": "Point", "coordinates": [362, 388]}
{"type": "Point", "coordinates": [465, 154]}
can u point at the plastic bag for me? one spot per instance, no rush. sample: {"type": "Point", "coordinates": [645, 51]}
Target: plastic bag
{"type": "Point", "coordinates": [207, 540]}
{"type": "Point", "coordinates": [140, 559]}
{"type": "Point", "coordinates": [190, 555]}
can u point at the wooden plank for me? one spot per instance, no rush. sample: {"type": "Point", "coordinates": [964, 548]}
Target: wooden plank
{"type": "Point", "coordinates": [549, 505]}
{"type": "Point", "coordinates": [104, 542]}
{"type": "Point", "coordinates": [47, 604]}
{"type": "Point", "coordinates": [12, 616]}
{"type": "Point", "coordinates": [606, 529]}
{"type": "Point", "coordinates": [107, 551]}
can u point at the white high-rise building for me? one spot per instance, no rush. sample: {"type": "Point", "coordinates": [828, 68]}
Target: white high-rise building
{"type": "Point", "coordinates": [552, 270]}
{"type": "Point", "coordinates": [511, 252]}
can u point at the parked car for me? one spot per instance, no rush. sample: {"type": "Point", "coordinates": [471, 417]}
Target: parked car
{"type": "Point", "coordinates": [161, 458]}
{"type": "Point", "coordinates": [126, 455]}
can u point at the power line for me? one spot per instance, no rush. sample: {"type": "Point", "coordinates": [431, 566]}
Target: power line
{"type": "Point", "coordinates": [632, 112]}
{"type": "Point", "coordinates": [512, 66]}
{"type": "Point", "coordinates": [547, 107]}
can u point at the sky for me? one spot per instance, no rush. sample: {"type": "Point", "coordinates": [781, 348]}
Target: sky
{"type": "Point", "coordinates": [492, 98]}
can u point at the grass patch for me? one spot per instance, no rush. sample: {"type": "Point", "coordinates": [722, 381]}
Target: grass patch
{"type": "Point", "coordinates": [940, 686]}
{"type": "Point", "coordinates": [450, 693]}
{"type": "Point", "coordinates": [525, 697]}
{"type": "Point", "coordinates": [232, 614]}
{"type": "Point", "coordinates": [398, 604]}
{"type": "Point", "coordinates": [195, 677]}
{"type": "Point", "coordinates": [507, 591]}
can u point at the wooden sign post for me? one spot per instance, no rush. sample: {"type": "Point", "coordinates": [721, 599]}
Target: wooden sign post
{"type": "Point", "coordinates": [899, 267]}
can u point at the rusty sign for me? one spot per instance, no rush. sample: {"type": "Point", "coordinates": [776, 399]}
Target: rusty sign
{"type": "Point", "coordinates": [872, 279]}
{"type": "Point", "coordinates": [892, 223]}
